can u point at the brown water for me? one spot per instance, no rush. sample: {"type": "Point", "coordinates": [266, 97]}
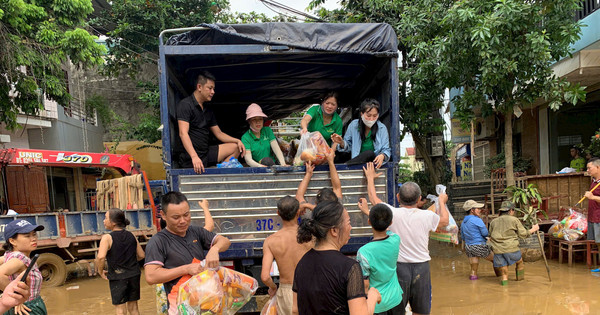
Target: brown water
{"type": "Point", "coordinates": [573, 290]}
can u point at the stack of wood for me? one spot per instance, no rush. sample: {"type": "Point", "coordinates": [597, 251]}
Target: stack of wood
{"type": "Point", "coordinates": [122, 193]}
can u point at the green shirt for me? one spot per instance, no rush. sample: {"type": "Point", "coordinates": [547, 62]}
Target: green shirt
{"type": "Point", "coordinates": [259, 147]}
{"type": "Point", "coordinates": [504, 234]}
{"type": "Point", "coordinates": [316, 123]}
{"type": "Point", "coordinates": [578, 164]}
{"type": "Point", "coordinates": [367, 145]}
{"type": "Point", "coordinates": [378, 263]}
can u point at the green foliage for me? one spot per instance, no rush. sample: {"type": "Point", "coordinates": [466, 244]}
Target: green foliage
{"type": "Point", "coordinates": [594, 147]}
{"type": "Point", "coordinates": [133, 27]}
{"type": "Point", "coordinates": [497, 161]}
{"type": "Point", "coordinates": [37, 39]}
{"type": "Point", "coordinates": [501, 53]}
{"type": "Point", "coordinates": [424, 181]}
{"type": "Point", "coordinates": [404, 172]}
{"type": "Point", "coordinates": [525, 198]}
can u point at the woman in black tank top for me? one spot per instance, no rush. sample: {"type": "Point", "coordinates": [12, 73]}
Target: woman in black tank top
{"type": "Point", "coordinates": [121, 250]}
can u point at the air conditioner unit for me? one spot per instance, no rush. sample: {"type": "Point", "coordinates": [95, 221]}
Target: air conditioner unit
{"type": "Point", "coordinates": [485, 128]}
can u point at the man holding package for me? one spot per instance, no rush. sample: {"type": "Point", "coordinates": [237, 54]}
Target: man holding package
{"type": "Point", "coordinates": [170, 253]}
{"type": "Point", "coordinates": [413, 226]}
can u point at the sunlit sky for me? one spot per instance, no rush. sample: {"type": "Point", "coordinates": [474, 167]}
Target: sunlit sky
{"type": "Point", "coordinates": [246, 6]}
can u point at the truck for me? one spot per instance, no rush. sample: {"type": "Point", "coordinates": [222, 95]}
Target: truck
{"type": "Point", "coordinates": [72, 235]}
{"type": "Point", "coordinates": [285, 68]}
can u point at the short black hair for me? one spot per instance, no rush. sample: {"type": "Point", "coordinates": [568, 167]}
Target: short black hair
{"type": "Point", "coordinates": [171, 198]}
{"type": "Point", "coordinates": [326, 194]}
{"type": "Point", "coordinates": [380, 217]}
{"type": "Point", "coordinates": [287, 208]}
{"type": "Point", "coordinates": [204, 76]}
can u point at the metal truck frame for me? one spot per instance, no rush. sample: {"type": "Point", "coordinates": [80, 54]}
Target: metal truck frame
{"type": "Point", "coordinates": [284, 67]}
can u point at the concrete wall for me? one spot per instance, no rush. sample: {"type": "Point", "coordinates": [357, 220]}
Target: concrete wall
{"type": "Point", "coordinates": [67, 134]}
{"type": "Point", "coordinates": [120, 93]}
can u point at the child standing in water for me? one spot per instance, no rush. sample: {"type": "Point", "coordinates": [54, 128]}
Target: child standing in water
{"type": "Point", "coordinates": [121, 249]}
{"type": "Point", "coordinates": [21, 240]}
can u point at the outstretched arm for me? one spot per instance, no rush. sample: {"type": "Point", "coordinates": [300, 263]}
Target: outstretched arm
{"type": "Point", "coordinates": [336, 184]}
{"type": "Point", "coordinates": [304, 183]}
{"type": "Point", "coordinates": [370, 174]}
{"type": "Point", "coordinates": [209, 224]}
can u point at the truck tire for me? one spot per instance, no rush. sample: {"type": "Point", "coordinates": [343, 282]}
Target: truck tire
{"type": "Point", "coordinates": [53, 269]}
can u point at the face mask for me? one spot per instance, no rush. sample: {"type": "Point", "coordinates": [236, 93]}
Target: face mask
{"type": "Point", "coordinates": [368, 123]}
{"type": "Point", "coordinates": [253, 129]}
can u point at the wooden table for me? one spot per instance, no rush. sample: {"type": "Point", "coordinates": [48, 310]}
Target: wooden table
{"type": "Point", "coordinates": [570, 247]}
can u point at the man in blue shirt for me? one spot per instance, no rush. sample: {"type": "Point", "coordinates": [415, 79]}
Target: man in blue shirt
{"type": "Point", "coordinates": [474, 233]}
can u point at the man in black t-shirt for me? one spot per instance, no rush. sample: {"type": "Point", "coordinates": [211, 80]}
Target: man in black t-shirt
{"type": "Point", "coordinates": [195, 121]}
{"type": "Point", "coordinates": [170, 252]}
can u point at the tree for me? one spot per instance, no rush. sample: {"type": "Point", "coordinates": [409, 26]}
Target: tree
{"type": "Point", "coordinates": [417, 24]}
{"type": "Point", "coordinates": [37, 39]}
{"type": "Point", "coordinates": [133, 27]}
{"type": "Point", "coordinates": [501, 52]}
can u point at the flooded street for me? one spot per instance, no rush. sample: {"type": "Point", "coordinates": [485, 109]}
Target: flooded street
{"type": "Point", "coordinates": [573, 290]}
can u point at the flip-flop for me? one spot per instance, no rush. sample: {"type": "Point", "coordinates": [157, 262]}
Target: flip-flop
{"type": "Point", "coordinates": [472, 277]}
{"type": "Point", "coordinates": [595, 270]}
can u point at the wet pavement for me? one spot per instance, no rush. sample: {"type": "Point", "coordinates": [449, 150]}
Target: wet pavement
{"type": "Point", "coordinates": [573, 290]}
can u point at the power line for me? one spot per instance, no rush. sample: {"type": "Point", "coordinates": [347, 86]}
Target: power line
{"type": "Point", "coordinates": [290, 9]}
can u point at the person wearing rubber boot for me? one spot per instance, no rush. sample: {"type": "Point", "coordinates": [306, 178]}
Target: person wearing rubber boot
{"type": "Point", "coordinates": [504, 240]}
{"type": "Point", "coordinates": [474, 233]}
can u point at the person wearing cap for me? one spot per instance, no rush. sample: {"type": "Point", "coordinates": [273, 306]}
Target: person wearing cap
{"type": "Point", "coordinates": [21, 240]}
{"type": "Point", "coordinates": [259, 141]}
{"type": "Point", "coordinates": [196, 122]}
{"type": "Point", "coordinates": [323, 118]}
{"type": "Point", "coordinates": [473, 232]}
{"type": "Point", "coordinates": [505, 232]}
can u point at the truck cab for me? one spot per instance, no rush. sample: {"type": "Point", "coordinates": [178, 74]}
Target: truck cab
{"type": "Point", "coordinates": [285, 68]}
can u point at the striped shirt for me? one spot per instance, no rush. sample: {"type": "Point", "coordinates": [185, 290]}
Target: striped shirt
{"type": "Point", "coordinates": [35, 276]}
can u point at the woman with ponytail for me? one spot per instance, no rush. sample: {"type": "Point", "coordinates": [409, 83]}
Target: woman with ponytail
{"type": "Point", "coordinates": [325, 280]}
{"type": "Point", "coordinates": [366, 138]}
{"type": "Point", "coordinates": [121, 249]}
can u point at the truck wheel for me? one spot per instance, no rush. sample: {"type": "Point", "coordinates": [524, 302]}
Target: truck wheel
{"type": "Point", "coordinates": [53, 269]}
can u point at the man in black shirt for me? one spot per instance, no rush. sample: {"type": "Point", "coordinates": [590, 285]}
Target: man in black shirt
{"type": "Point", "coordinates": [195, 121]}
{"type": "Point", "coordinates": [170, 253]}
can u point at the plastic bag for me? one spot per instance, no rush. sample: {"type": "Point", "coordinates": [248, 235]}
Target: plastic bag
{"type": "Point", "coordinates": [448, 233]}
{"type": "Point", "coordinates": [231, 163]}
{"type": "Point", "coordinates": [211, 292]}
{"type": "Point", "coordinates": [576, 221]}
{"type": "Point", "coordinates": [161, 299]}
{"type": "Point", "coordinates": [238, 289]}
{"type": "Point", "coordinates": [313, 148]}
{"type": "Point", "coordinates": [270, 307]}
{"type": "Point", "coordinates": [201, 294]}
{"type": "Point", "coordinates": [555, 228]}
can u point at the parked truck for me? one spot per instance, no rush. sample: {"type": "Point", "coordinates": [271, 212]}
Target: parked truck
{"type": "Point", "coordinates": [284, 67]}
{"type": "Point", "coordinates": [72, 235]}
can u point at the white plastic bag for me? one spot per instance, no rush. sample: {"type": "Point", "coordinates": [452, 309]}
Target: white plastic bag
{"type": "Point", "coordinates": [313, 148]}
{"type": "Point", "coordinates": [452, 227]}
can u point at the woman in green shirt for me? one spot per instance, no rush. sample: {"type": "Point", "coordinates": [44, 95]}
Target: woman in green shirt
{"type": "Point", "coordinates": [323, 118]}
{"type": "Point", "coordinates": [259, 141]}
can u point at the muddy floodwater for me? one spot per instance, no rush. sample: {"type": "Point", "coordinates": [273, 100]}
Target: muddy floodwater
{"type": "Point", "coordinates": [573, 290]}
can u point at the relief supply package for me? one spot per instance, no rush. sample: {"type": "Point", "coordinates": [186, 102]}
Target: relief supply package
{"type": "Point", "coordinates": [313, 148]}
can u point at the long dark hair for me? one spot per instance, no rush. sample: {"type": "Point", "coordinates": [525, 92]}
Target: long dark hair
{"type": "Point", "coordinates": [366, 106]}
{"type": "Point", "coordinates": [117, 216]}
{"type": "Point", "coordinates": [325, 216]}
